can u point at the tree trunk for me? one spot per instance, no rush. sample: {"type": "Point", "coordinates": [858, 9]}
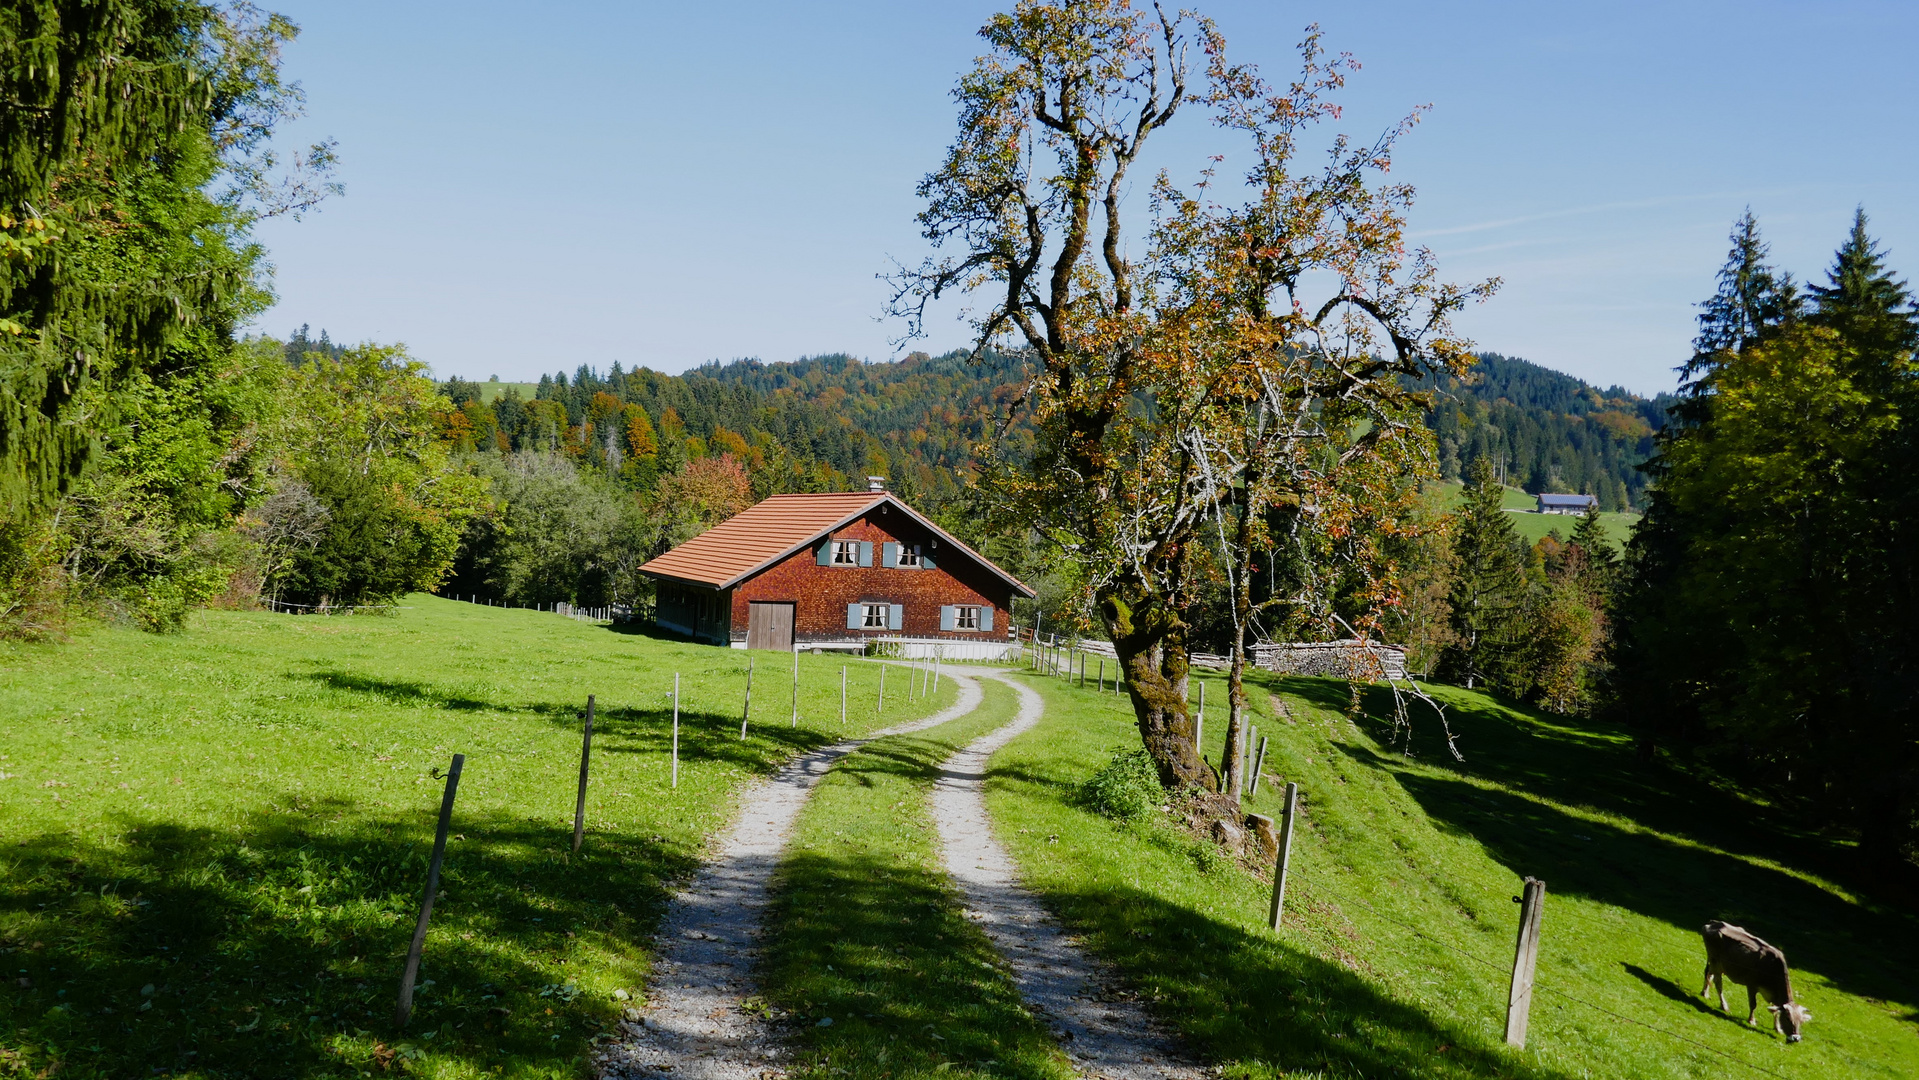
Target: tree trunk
{"type": "Point", "coordinates": [1234, 779]}
{"type": "Point", "coordinates": [1151, 643]}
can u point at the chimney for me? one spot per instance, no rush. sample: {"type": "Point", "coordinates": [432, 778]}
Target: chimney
{"type": "Point", "coordinates": [876, 483]}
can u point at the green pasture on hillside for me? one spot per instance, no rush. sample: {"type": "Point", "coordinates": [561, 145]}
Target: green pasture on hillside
{"type": "Point", "coordinates": [1533, 526]}
{"type": "Point", "coordinates": [1397, 949]}
{"type": "Point", "coordinates": [491, 392]}
{"type": "Point", "coordinates": [213, 845]}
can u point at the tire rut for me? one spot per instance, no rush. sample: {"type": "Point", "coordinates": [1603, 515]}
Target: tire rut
{"type": "Point", "coordinates": [693, 1026]}
{"type": "Point", "coordinates": [1106, 1034]}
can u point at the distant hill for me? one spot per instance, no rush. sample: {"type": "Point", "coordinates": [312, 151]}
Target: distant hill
{"type": "Point", "coordinates": [1547, 431]}
{"type": "Point", "coordinates": [916, 420]}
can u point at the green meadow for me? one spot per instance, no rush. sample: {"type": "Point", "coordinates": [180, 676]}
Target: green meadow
{"type": "Point", "coordinates": [213, 845]}
{"type": "Point", "coordinates": [1533, 526]}
{"type": "Point", "coordinates": [1396, 951]}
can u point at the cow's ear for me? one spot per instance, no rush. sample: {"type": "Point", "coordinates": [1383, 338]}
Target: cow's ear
{"type": "Point", "coordinates": [1805, 1015]}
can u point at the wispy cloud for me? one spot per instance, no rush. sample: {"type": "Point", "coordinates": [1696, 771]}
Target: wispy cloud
{"type": "Point", "coordinates": [1598, 208]}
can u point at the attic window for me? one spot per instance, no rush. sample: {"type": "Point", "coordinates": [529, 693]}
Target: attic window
{"type": "Point", "coordinates": [846, 553]}
{"type": "Point", "coordinates": [909, 554]}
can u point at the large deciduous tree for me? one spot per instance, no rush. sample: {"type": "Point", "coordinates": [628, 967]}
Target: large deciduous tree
{"type": "Point", "coordinates": [1256, 346]}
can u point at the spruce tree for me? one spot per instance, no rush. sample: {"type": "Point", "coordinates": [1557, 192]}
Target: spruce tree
{"type": "Point", "coordinates": [1752, 299]}
{"type": "Point", "coordinates": [1489, 582]}
{"type": "Point", "coordinates": [1870, 309]}
{"type": "Point", "coordinates": [1596, 551]}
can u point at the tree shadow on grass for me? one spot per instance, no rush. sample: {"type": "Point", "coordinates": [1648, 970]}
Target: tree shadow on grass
{"type": "Point", "coordinates": [1859, 948]}
{"type": "Point", "coordinates": [278, 953]}
{"type": "Point", "coordinates": [1247, 997]}
{"type": "Point", "coordinates": [1583, 762]}
{"type": "Point", "coordinates": [704, 735]}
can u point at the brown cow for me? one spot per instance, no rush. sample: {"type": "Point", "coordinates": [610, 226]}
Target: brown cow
{"type": "Point", "coordinates": [1757, 966]}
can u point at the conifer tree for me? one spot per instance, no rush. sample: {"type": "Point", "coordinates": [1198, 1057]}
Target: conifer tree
{"type": "Point", "coordinates": [1752, 298]}
{"type": "Point", "coordinates": [1600, 562]}
{"type": "Point", "coordinates": [1870, 309]}
{"type": "Point", "coordinates": [1489, 582]}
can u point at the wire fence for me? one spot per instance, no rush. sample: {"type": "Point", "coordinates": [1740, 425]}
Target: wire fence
{"type": "Point", "coordinates": [1317, 887]}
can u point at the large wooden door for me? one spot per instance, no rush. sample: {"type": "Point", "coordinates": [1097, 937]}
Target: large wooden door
{"type": "Point", "coordinates": [769, 626]}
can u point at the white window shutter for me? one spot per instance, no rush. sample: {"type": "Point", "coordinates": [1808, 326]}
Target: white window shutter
{"type": "Point", "coordinates": [825, 552]}
{"type": "Point", "coordinates": [889, 554]}
{"type": "Point", "coordinates": [948, 614]}
{"type": "Point", "coordinates": [895, 616]}
{"type": "Point", "coordinates": [926, 560]}
{"type": "Point", "coordinates": [855, 618]}
{"type": "Point", "coordinates": [866, 553]}
{"type": "Point", "coordinates": [986, 617]}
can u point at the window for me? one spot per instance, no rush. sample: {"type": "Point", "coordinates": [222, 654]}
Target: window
{"type": "Point", "coordinates": [910, 555]}
{"type": "Point", "coordinates": [966, 618]}
{"type": "Point", "coordinates": [846, 553]}
{"type": "Point", "coordinates": [873, 616]}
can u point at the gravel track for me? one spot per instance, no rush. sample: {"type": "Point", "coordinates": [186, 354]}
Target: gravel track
{"type": "Point", "coordinates": [708, 945]}
{"type": "Point", "coordinates": [1106, 1034]}
{"type": "Point", "coordinates": [694, 1028]}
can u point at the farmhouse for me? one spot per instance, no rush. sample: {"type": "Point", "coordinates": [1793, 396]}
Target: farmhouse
{"type": "Point", "coordinates": [1566, 504]}
{"type": "Point", "coordinates": [835, 571]}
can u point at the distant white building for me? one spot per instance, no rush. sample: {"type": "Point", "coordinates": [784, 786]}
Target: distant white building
{"type": "Point", "coordinates": [1567, 504]}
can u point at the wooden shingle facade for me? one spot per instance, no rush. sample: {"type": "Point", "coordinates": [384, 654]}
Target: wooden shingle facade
{"type": "Point", "coordinates": [832, 571]}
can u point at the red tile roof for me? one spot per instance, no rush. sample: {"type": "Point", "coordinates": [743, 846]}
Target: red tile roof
{"type": "Point", "coordinates": [767, 532]}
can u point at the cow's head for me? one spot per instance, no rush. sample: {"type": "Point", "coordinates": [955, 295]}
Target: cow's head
{"type": "Point", "coordinates": [1792, 1016]}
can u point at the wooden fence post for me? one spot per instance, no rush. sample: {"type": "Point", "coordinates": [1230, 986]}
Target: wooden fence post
{"type": "Point", "coordinates": [747, 710]}
{"type": "Point", "coordinates": [1282, 863]}
{"type": "Point", "coordinates": [882, 705]}
{"type": "Point", "coordinates": [937, 657]}
{"type": "Point", "coordinates": [1102, 674]}
{"type": "Point", "coordinates": [1199, 730]}
{"type": "Point", "coordinates": [842, 695]}
{"type": "Point", "coordinates": [796, 684]}
{"type": "Point", "coordinates": [586, 750]}
{"type": "Point", "coordinates": [1245, 778]}
{"type": "Point", "coordinates": [676, 729]}
{"type": "Point", "coordinates": [1519, 1001]}
{"type": "Point", "coordinates": [1258, 764]}
{"type": "Point", "coordinates": [404, 1010]}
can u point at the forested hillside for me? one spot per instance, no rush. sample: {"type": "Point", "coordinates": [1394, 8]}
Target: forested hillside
{"type": "Point", "coordinates": [1545, 431]}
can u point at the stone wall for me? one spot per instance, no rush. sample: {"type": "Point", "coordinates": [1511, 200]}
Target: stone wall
{"type": "Point", "coordinates": [1349, 659]}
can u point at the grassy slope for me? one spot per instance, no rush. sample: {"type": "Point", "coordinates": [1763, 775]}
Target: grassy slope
{"type": "Point", "coordinates": [239, 818]}
{"type": "Point", "coordinates": [1635, 864]}
{"type": "Point", "coordinates": [868, 933]}
{"type": "Point", "coordinates": [491, 392]}
{"type": "Point", "coordinates": [1534, 526]}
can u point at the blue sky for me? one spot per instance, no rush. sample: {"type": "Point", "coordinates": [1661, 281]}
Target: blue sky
{"type": "Point", "coordinates": [533, 187]}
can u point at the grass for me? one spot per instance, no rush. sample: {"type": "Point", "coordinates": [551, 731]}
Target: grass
{"type": "Point", "coordinates": [494, 391]}
{"type": "Point", "coordinates": [1396, 952]}
{"type": "Point", "coordinates": [1533, 526]}
{"type": "Point", "coordinates": [872, 959]}
{"type": "Point", "coordinates": [212, 845]}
